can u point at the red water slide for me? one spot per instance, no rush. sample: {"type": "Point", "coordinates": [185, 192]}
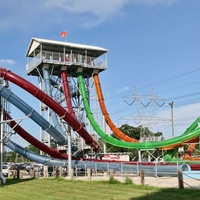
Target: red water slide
{"type": "Point", "coordinates": [29, 138]}
{"type": "Point", "coordinates": [112, 126]}
{"type": "Point", "coordinates": [43, 97]}
{"type": "Point", "coordinates": [67, 93]}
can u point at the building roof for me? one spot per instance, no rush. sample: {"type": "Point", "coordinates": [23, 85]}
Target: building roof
{"type": "Point", "coordinates": [58, 46]}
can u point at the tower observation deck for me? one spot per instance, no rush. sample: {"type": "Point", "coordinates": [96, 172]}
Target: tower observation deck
{"type": "Point", "coordinates": [58, 54]}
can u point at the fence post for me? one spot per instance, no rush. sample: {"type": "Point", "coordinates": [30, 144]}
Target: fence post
{"type": "Point", "coordinates": [71, 175]}
{"type": "Point", "coordinates": [111, 173]}
{"type": "Point", "coordinates": [96, 169]}
{"type": "Point", "coordinates": [14, 174]}
{"type": "Point", "coordinates": [180, 179]}
{"type": "Point", "coordinates": [45, 171]}
{"type": "Point", "coordinates": [18, 173]}
{"type": "Point", "coordinates": [108, 168]}
{"type": "Point", "coordinates": [33, 173]}
{"type": "Point", "coordinates": [142, 177]}
{"type": "Point", "coordinates": [89, 174]}
{"type": "Point", "coordinates": [138, 170]}
{"type": "Point", "coordinates": [57, 172]}
{"type": "Point", "coordinates": [21, 173]}
{"type": "Point", "coordinates": [156, 168]}
{"type": "Point", "coordinates": [121, 165]}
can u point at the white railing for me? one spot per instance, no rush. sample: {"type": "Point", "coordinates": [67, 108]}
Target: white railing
{"type": "Point", "coordinates": [33, 63]}
{"type": "Point", "coordinates": [67, 59]}
{"type": "Point", "coordinates": [119, 169]}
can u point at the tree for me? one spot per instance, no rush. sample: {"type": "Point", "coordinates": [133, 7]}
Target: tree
{"type": "Point", "coordinates": [133, 132]}
{"type": "Point", "coordinates": [12, 156]}
{"type": "Point", "coordinates": [33, 148]}
{"type": "Point", "coordinates": [9, 156]}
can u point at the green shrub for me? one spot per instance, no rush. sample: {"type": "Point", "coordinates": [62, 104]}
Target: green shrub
{"type": "Point", "coordinates": [128, 180]}
{"type": "Point", "coordinates": [113, 181]}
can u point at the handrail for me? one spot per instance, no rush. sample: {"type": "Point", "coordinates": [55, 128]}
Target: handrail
{"type": "Point", "coordinates": [66, 59]}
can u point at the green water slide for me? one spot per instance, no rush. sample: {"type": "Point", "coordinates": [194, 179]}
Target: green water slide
{"type": "Point", "coordinates": [176, 141]}
{"type": "Point", "coordinates": [169, 157]}
{"type": "Point", "coordinates": [193, 126]}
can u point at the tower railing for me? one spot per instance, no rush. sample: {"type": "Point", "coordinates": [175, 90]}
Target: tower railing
{"type": "Point", "coordinates": [66, 59]}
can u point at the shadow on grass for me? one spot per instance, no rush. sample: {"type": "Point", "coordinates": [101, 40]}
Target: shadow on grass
{"type": "Point", "coordinates": [10, 181]}
{"type": "Point", "coordinates": [170, 193]}
{"type": "Point", "coordinates": [154, 193]}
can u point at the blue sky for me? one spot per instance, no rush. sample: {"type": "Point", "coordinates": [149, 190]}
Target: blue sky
{"type": "Point", "coordinates": [153, 45]}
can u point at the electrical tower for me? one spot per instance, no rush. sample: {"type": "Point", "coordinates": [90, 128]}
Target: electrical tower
{"type": "Point", "coordinates": [145, 106]}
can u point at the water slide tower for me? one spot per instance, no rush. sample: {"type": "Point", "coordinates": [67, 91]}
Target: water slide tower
{"type": "Point", "coordinates": [47, 60]}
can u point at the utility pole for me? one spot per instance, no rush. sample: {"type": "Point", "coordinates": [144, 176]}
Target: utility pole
{"type": "Point", "coordinates": [172, 116]}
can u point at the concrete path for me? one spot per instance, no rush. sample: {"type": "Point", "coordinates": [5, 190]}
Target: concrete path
{"type": "Point", "coordinates": [164, 182]}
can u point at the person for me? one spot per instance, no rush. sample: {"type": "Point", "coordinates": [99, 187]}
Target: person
{"type": "Point", "coordinates": [67, 57]}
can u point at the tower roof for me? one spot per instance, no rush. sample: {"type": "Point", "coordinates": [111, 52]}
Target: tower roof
{"type": "Point", "coordinates": [57, 46]}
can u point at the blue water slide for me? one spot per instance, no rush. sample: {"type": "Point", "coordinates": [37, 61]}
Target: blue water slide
{"type": "Point", "coordinates": [53, 115]}
{"type": "Point", "coordinates": [34, 115]}
{"type": "Point", "coordinates": [154, 170]}
{"type": "Point", "coordinates": [34, 156]}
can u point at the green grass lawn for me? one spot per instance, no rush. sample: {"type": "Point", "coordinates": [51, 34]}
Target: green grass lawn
{"type": "Point", "coordinates": [58, 189]}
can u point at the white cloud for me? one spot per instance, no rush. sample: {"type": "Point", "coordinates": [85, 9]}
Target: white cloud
{"type": "Point", "coordinates": [89, 12]}
{"type": "Point", "coordinates": [190, 111]}
{"type": "Point", "coordinates": [124, 89]}
{"type": "Point", "coordinates": [93, 12]}
{"type": "Point", "coordinates": [184, 116]}
{"type": "Point", "coordinates": [44, 13]}
{"type": "Point", "coordinates": [187, 111]}
{"type": "Point", "coordinates": [155, 2]}
{"type": "Point", "coordinates": [7, 61]}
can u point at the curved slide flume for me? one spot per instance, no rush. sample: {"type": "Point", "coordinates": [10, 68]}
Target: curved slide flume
{"type": "Point", "coordinates": [173, 142]}
{"type": "Point", "coordinates": [32, 140]}
{"type": "Point", "coordinates": [188, 153]}
{"type": "Point", "coordinates": [53, 115]}
{"type": "Point", "coordinates": [39, 94]}
{"type": "Point", "coordinates": [95, 165]}
{"type": "Point", "coordinates": [193, 126]}
{"type": "Point", "coordinates": [67, 93]}
{"type": "Point", "coordinates": [32, 155]}
{"type": "Point", "coordinates": [108, 120]}
{"type": "Point", "coordinates": [35, 116]}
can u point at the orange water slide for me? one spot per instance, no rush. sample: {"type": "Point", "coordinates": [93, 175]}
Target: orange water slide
{"type": "Point", "coordinates": [181, 143]}
{"type": "Point", "coordinates": [108, 120]}
{"type": "Point", "coordinates": [191, 147]}
{"type": "Point", "coordinates": [187, 155]}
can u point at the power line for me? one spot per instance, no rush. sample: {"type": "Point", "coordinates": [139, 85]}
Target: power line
{"type": "Point", "coordinates": [171, 78]}
{"type": "Point", "coordinates": [186, 95]}
{"type": "Point", "coordinates": [164, 81]}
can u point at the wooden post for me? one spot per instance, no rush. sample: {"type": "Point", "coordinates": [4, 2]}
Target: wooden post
{"type": "Point", "coordinates": [33, 173]}
{"type": "Point", "coordinates": [14, 173]}
{"type": "Point", "coordinates": [57, 172]}
{"type": "Point", "coordinates": [21, 173]}
{"type": "Point", "coordinates": [180, 179]}
{"type": "Point", "coordinates": [142, 177]}
{"type": "Point", "coordinates": [89, 174]}
{"type": "Point", "coordinates": [45, 171]}
{"type": "Point", "coordinates": [111, 173]}
{"type": "Point", "coordinates": [18, 173]}
{"type": "Point", "coordinates": [72, 173]}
